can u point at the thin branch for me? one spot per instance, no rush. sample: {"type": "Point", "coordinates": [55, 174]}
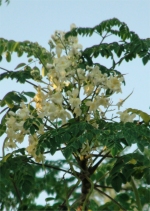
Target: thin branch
{"type": "Point", "coordinates": [103, 37]}
{"type": "Point", "coordinates": [58, 149]}
{"type": "Point", "coordinates": [16, 189]}
{"type": "Point", "coordinates": [97, 155]}
{"type": "Point", "coordinates": [32, 84]}
{"type": "Point", "coordinates": [93, 168]}
{"type": "Point", "coordinates": [4, 110]}
{"type": "Point", "coordinates": [70, 193]}
{"type": "Point", "coordinates": [25, 80]}
{"type": "Point", "coordinates": [119, 205]}
{"type": "Point", "coordinates": [53, 167]}
{"type": "Point", "coordinates": [102, 186]}
{"type": "Point", "coordinates": [3, 147]}
{"type": "Point", "coordinates": [108, 156]}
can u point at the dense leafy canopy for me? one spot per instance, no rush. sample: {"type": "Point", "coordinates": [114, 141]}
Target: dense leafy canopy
{"type": "Point", "coordinates": [69, 113]}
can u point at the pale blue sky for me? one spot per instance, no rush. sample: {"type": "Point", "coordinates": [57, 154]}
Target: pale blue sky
{"type": "Point", "coordinates": [36, 20]}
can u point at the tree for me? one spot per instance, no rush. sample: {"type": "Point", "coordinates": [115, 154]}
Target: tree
{"type": "Point", "coordinates": [71, 112]}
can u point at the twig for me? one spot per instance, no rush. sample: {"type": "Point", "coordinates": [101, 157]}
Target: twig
{"type": "Point", "coordinates": [50, 166]}
{"type": "Point", "coordinates": [16, 189]}
{"type": "Point", "coordinates": [3, 147]}
{"type": "Point", "coordinates": [70, 193]}
{"type": "Point", "coordinates": [108, 156]}
{"type": "Point", "coordinates": [119, 205]}
{"type": "Point", "coordinates": [25, 80]}
{"type": "Point", "coordinates": [4, 110]}
{"type": "Point", "coordinates": [93, 168]}
{"type": "Point", "coordinates": [102, 186]}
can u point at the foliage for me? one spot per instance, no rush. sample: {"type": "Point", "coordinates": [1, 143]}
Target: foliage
{"type": "Point", "coordinates": [6, 1]}
{"type": "Point", "coordinates": [70, 113]}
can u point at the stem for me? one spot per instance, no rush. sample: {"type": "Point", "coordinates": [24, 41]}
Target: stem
{"type": "Point", "coordinates": [119, 205]}
{"type": "Point", "coordinates": [16, 189]}
{"type": "Point", "coordinates": [50, 166]}
{"type": "Point", "coordinates": [4, 110]}
{"type": "Point", "coordinates": [136, 193]}
{"type": "Point", "coordinates": [70, 193]}
{"type": "Point", "coordinates": [3, 147]}
{"type": "Point", "coordinates": [93, 168]}
{"type": "Point", "coordinates": [102, 186]}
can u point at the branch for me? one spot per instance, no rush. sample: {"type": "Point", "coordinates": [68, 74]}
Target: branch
{"type": "Point", "coordinates": [12, 71]}
{"type": "Point", "coordinates": [108, 156]}
{"type": "Point", "coordinates": [4, 110]}
{"type": "Point", "coordinates": [16, 189]}
{"type": "Point", "coordinates": [53, 167]}
{"type": "Point", "coordinates": [88, 195]}
{"type": "Point", "coordinates": [102, 186]}
{"type": "Point", "coordinates": [97, 156]}
{"type": "Point", "coordinates": [70, 193]}
{"type": "Point", "coordinates": [119, 205]}
{"type": "Point", "coordinates": [92, 169]}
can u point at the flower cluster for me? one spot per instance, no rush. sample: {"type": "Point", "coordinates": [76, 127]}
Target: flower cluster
{"type": "Point", "coordinates": [71, 91]}
{"type": "Point", "coordinates": [16, 131]}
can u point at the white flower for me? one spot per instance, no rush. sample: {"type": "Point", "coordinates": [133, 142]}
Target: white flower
{"type": "Point", "coordinates": [58, 51]}
{"type": "Point", "coordinates": [57, 98]}
{"type": "Point", "coordinates": [88, 89]}
{"type": "Point", "coordinates": [61, 63]}
{"type": "Point", "coordinates": [11, 121]}
{"type": "Point", "coordinates": [114, 84]}
{"type": "Point", "coordinates": [77, 46]}
{"type": "Point", "coordinates": [103, 101]}
{"type": "Point", "coordinates": [120, 103]}
{"type": "Point", "coordinates": [125, 117]}
{"type": "Point", "coordinates": [77, 111]}
{"type": "Point", "coordinates": [92, 104]}
{"type": "Point", "coordinates": [10, 144]}
{"type": "Point", "coordinates": [72, 26]}
{"type": "Point", "coordinates": [49, 66]}
{"type": "Point", "coordinates": [75, 102]}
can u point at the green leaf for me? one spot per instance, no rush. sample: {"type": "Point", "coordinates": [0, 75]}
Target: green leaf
{"type": "Point", "coordinates": [27, 124]}
{"type": "Point", "coordinates": [116, 183]}
{"type": "Point", "coordinates": [146, 59]}
{"type": "Point", "coordinates": [10, 45]}
{"type": "Point", "coordinates": [26, 187]}
{"type": "Point", "coordinates": [2, 129]}
{"type": "Point", "coordinates": [30, 60]}
{"type": "Point", "coordinates": [67, 152]}
{"type": "Point", "coordinates": [2, 48]}
{"type": "Point", "coordinates": [29, 94]}
{"type": "Point", "coordinates": [20, 65]}
{"type": "Point", "coordinates": [23, 97]}
{"type": "Point", "coordinates": [8, 56]}
{"type": "Point", "coordinates": [9, 102]}
{"type": "Point", "coordinates": [49, 199]}
{"type": "Point", "coordinates": [147, 176]}
{"type": "Point", "coordinates": [32, 130]}
{"type": "Point", "coordinates": [114, 151]}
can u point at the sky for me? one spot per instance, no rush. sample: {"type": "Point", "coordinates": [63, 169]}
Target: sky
{"type": "Point", "coordinates": [36, 20]}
